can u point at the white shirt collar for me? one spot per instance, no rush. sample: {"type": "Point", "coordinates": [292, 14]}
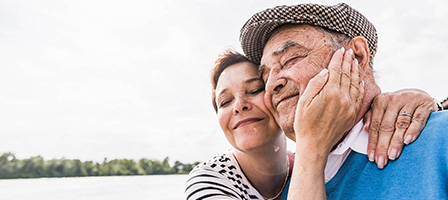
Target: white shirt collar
{"type": "Point", "coordinates": [356, 140]}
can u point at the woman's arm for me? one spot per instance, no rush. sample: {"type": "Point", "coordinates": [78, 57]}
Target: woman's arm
{"type": "Point", "coordinates": [397, 119]}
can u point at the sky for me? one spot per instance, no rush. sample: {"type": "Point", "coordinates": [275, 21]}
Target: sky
{"type": "Point", "coordinates": [95, 79]}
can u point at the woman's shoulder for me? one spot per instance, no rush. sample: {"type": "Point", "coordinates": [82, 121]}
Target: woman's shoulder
{"type": "Point", "coordinates": [218, 164]}
{"type": "Point", "coordinates": [220, 175]}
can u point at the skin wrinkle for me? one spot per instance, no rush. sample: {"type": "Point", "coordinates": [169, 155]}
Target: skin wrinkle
{"type": "Point", "coordinates": [338, 40]}
{"type": "Point", "coordinates": [285, 47]}
{"type": "Point", "coordinates": [306, 68]}
{"type": "Point", "coordinates": [311, 64]}
{"type": "Point", "coordinates": [223, 92]}
{"type": "Point", "coordinates": [239, 81]}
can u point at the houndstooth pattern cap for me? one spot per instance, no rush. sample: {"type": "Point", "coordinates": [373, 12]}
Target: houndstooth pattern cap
{"type": "Point", "coordinates": [340, 18]}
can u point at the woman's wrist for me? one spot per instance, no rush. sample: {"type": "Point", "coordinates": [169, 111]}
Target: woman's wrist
{"type": "Point", "coordinates": [311, 153]}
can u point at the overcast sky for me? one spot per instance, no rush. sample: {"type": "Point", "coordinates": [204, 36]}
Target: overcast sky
{"type": "Point", "coordinates": [90, 79]}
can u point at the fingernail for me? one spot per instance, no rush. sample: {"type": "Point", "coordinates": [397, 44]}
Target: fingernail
{"type": "Point", "coordinates": [323, 72]}
{"type": "Point", "coordinates": [356, 61]}
{"type": "Point", "coordinates": [342, 50]}
{"type": "Point", "coordinates": [380, 162]}
{"type": "Point", "coordinates": [371, 155]}
{"type": "Point", "coordinates": [393, 154]}
{"type": "Point", "coordinates": [350, 51]}
{"type": "Point", "coordinates": [408, 139]}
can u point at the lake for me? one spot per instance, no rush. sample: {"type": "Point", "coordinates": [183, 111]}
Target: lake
{"type": "Point", "coordinates": [163, 187]}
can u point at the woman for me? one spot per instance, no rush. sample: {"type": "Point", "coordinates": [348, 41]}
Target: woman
{"type": "Point", "coordinates": [258, 166]}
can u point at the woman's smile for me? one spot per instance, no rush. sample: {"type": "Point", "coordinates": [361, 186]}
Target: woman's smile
{"type": "Point", "coordinates": [247, 121]}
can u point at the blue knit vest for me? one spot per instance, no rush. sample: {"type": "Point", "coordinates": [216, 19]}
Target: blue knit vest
{"type": "Point", "coordinates": [421, 172]}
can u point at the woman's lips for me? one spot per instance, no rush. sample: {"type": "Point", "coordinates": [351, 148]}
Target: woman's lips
{"type": "Point", "coordinates": [246, 122]}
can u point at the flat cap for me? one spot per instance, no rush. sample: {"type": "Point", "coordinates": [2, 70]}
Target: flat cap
{"type": "Point", "coordinates": [340, 18]}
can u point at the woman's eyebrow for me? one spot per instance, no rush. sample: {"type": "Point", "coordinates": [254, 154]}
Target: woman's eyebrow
{"type": "Point", "coordinates": [253, 80]}
{"type": "Point", "coordinates": [219, 93]}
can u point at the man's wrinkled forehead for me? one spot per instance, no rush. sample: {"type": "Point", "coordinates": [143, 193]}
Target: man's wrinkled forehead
{"type": "Point", "coordinates": [288, 36]}
{"type": "Point", "coordinates": [276, 47]}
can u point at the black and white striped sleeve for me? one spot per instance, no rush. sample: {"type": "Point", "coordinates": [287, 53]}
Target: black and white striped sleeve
{"type": "Point", "coordinates": [205, 184]}
{"type": "Point", "coordinates": [219, 178]}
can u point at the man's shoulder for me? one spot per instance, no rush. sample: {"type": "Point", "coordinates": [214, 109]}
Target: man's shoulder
{"type": "Point", "coordinates": [437, 124]}
{"type": "Point", "coordinates": [439, 117]}
{"type": "Point", "coordinates": [434, 137]}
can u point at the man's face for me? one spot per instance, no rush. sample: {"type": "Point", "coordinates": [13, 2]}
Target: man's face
{"type": "Point", "coordinates": [292, 56]}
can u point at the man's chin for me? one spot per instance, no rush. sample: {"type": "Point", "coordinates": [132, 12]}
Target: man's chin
{"type": "Point", "coordinates": [288, 129]}
{"type": "Point", "coordinates": [286, 121]}
{"type": "Point", "coordinates": [291, 136]}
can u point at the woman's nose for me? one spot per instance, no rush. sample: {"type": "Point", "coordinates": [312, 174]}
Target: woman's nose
{"type": "Point", "coordinates": [241, 105]}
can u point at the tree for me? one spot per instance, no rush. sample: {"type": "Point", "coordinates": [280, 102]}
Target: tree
{"type": "Point", "coordinates": [34, 167]}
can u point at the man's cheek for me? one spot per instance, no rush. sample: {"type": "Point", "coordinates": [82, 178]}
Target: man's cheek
{"type": "Point", "coordinates": [268, 103]}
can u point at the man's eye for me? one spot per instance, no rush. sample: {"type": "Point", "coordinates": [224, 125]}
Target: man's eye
{"type": "Point", "coordinates": [294, 60]}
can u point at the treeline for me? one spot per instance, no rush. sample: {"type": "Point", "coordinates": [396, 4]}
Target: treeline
{"type": "Point", "coordinates": [36, 167]}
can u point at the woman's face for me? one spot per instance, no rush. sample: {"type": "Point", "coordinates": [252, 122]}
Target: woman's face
{"type": "Point", "coordinates": [242, 114]}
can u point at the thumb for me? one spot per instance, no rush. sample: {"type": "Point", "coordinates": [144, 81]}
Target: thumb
{"type": "Point", "coordinates": [314, 86]}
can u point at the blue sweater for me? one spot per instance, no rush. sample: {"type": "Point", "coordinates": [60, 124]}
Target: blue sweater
{"type": "Point", "coordinates": [421, 172]}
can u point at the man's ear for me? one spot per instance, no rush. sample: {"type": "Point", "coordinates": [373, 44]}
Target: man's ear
{"type": "Point", "coordinates": [361, 50]}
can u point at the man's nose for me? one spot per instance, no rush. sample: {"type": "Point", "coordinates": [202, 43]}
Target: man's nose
{"type": "Point", "coordinates": [274, 84]}
{"type": "Point", "coordinates": [241, 104]}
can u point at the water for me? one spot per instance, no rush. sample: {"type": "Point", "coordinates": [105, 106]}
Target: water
{"type": "Point", "coordinates": [163, 187]}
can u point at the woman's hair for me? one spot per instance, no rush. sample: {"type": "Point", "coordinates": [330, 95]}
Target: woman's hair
{"type": "Point", "coordinates": [228, 58]}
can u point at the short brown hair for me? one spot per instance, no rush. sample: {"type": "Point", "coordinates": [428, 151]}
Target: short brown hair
{"type": "Point", "coordinates": [228, 58]}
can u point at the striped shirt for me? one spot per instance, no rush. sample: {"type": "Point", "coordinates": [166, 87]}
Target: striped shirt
{"type": "Point", "coordinates": [219, 178]}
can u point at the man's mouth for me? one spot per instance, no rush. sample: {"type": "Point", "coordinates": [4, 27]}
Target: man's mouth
{"type": "Point", "coordinates": [247, 121]}
{"type": "Point", "coordinates": [285, 99]}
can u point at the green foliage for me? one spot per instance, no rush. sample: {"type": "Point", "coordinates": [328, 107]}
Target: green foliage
{"type": "Point", "coordinates": [35, 167]}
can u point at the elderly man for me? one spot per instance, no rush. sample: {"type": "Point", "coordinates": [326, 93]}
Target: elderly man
{"type": "Point", "coordinates": [294, 43]}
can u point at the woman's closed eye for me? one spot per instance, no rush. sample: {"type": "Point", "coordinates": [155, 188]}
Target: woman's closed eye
{"type": "Point", "coordinates": [225, 102]}
{"type": "Point", "coordinates": [256, 91]}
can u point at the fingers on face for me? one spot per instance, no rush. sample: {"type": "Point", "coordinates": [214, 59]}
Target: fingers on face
{"type": "Point", "coordinates": [356, 88]}
{"type": "Point", "coordinates": [349, 78]}
{"type": "Point", "coordinates": [314, 87]}
{"type": "Point", "coordinates": [334, 67]}
{"type": "Point", "coordinates": [344, 74]}
{"type": "Point", "coordinates": [346, 69]}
